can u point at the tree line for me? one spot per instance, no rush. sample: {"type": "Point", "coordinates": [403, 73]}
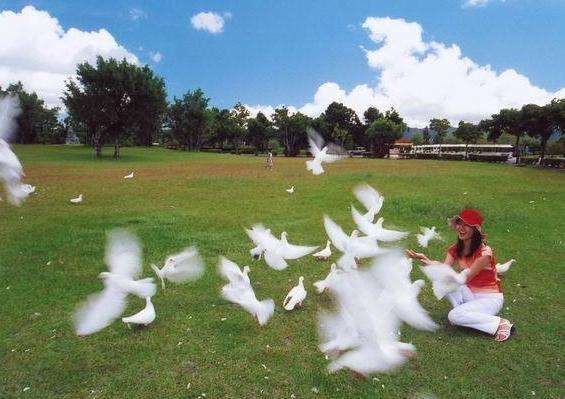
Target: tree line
{"type": "Point", "coordinates": [118, 103]}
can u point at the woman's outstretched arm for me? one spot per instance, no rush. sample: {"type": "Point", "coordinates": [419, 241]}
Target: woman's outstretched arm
{"type": "Point", "coordinates": [427, 261]}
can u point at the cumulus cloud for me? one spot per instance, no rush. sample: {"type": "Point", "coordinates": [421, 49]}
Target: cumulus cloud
{"type": "Point", "coordinates": [267, 110]}
{"type": "Point", "coordinates": [477, 3]}
{"type": "Point", "coordinates": [424, 80]}
{"type": "Point", "coordinates": [155, 56]}
{"type": "Point", "coordinates": [37, 51]}
{"type": "Point", "coordinates": [210, 22]}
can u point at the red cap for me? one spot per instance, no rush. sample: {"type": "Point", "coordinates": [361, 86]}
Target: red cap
{"type": "Point", "coordinates": [471, 217]}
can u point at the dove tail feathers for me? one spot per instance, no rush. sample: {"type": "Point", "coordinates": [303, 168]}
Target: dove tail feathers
{"type": "Point", "coordinates": [265, 310]}
{"type": "Point", "coordinates": [320, 286]}
{"type": "Point", "coordinates": [144, 288]}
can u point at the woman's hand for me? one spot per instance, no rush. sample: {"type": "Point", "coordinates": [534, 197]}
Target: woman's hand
{"type": "Point", "coordinates": [419, 256]}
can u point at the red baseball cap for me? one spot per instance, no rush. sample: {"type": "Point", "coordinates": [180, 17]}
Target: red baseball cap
{"type": "Point", "coordinates": [471, 217]}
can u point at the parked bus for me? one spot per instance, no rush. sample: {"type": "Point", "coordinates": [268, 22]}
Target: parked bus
{"type": "Point", "coordinates": [473, 152]}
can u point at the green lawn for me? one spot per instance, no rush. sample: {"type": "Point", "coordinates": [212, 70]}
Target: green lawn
{"type": "Point", "coordinates": [177, 199]}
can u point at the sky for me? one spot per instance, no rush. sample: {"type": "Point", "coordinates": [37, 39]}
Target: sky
{"type": "Point", "coordinates": [458, 59]}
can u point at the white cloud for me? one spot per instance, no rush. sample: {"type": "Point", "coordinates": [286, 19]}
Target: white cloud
{"type": "Point", "coordinates": [135, 14]}
{"type": "Point", "coordinates": [210, 21]}
{"type": "Point", "coordinates": [155, 56]}
{"type": "Point", "coordinates": [424, 80]}
{"type": "Point", "coordinates": [37, 51]}
{"type": "Point", "coordinates": [477, 3]}
{"type": "Point", "coordinates": [267, 110]}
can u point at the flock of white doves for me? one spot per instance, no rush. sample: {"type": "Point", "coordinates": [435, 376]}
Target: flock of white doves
{"type": "Point", "coordinates": [361, 333]}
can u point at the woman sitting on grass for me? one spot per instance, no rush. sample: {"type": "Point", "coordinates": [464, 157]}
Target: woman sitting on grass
{"type": "Point", "coordinates": [476, 303]}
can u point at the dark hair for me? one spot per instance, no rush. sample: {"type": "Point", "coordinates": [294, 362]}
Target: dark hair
{"type": "Point", "coordinates": [476, 240]}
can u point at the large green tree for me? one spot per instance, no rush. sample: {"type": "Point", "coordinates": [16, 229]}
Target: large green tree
{"type": "Point", "coordinates": [537, 122]}
{"type": "Point", "coordinates": [258, 132]}
{"type": "Point", "coordinates": [36, 122]}
{"type": "Point", "coordinates": [468, 133]}
{"type": "Point", "coordinates": [188, 119]}
{"type": "Point", "coordinates": [114, 99]}
{"type": "Point", "coordinates": [440, 127]}
{"type": "Point", "coordinates": [384, 131]}
{"type": "Point", "coordinates": [339, 123]}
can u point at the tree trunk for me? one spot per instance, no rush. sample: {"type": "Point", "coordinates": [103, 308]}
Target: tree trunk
{"type": "Point", "coordinates": [117, 149]}
{"type": "Point", "coordinates": [543, 145]}
{"type": "Point", "coordinates": [97, 145]}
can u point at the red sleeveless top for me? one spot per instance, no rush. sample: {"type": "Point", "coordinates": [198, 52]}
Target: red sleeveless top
{"type": "Point", "coordinates": [486, 280]}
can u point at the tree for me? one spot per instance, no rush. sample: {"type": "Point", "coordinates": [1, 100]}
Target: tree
{"type": "Point", "coordinates": [188, 119]}
{"type": "Point", "coordinates": [492, 127]}
{"type": "Point", "coordinates": [383, 132]}
{"type": "Point", "coordinates": [426, 138]}
{"type": "Point", "coordinates": [371, 114]}
{"type": "Point", "coordinates": [258, 131]}
{"type": "Point", "coordinates": [240, 115]}
{"type": "Point", "coordinates": [113, 99]}
{"type": "Point", "coordinates": [338, 115]}
{"type": "Point", "coordinates": [418, 138]}
{"type": "Point", "coordinates": [468, 133]}
{"type": "Point", "coordinates": [537, 122]}
{"type": "Point", "coordinates": [36, 123]}
{"type": "Point", "coordinates": [440, 127]}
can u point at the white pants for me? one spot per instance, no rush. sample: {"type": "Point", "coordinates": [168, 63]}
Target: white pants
{"type": "Point", "coordinates": [475, 310]}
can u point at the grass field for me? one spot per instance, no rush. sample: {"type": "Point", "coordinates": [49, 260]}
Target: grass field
{"type": "Point", "coordinates": [178, 199]}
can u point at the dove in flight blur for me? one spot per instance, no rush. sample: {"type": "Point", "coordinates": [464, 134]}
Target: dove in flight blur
{"type": "Point", "coordinates": [143, 317]}
{"type": "Point", "coordinates": [325, 253]}
{"type": "Point", "coordinates": [295, 296]}
{"type": "Point", "coordinates": [376, 230]}
{"type": "Point", "coordinates": [371, 200]}
{"type": "Point", "coordinates": [238, 290]}
{"type": "Point", "coordinates": [427, 235]}
{"type": "Point", "coordinates": [352, 247]}
{"type": "Point", "coordinates": [362, 334]}
{"type": "Point", "coordinates": [184, 266]}
{"type": "Point", "coordinates": [130, 176]}
{"type": "Point", "coordinates": [503, 268]}
{"type": "Point", "coordinates": [276, 251]}
{"type": "Point", "coordinates": [334, 273]}
{"type": "Point", "coordinates": [77, 200]}
{"type": "Point", "coordinates": [290, 190]}
{"type": "Point", "coordinates": [11, 170]}
{"type": "Point", "coordinates": [444, 279]}
{"type": "Point", "coordinates": [123, 258]}
{"type": "Point", "coordinates": [322, 153]}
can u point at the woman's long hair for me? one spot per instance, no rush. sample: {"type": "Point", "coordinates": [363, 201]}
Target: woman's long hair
{"type": "Point", "coordinates": [476, 240]}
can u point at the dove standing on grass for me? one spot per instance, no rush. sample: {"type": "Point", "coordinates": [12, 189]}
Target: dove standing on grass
{"type": "Point", "coordinates": [504, 267]}
{"type": "Point", "coordinates": [427, 235]}
{"type": "Point", "coordinates": [322, 153]}
{"type": "Point", "coordinates": [184, 266]}
{"type": "Point", "coordinates": [130, 176]}
{"type": "Point", "coordinates": [238, 290]}
{"type": "Point", "coordinates": [77, 200]}
{"type": "Point", "coordinates": [295, 296]}
{"type": "Point", "coordinates": [11, 170]}
{"type": "Point", "coordinates": [371, 200]}
{"type": "Point", "coordinates": [123, 258]}
{"type": "Point", "coordinates": [290, 190]}
{"type": "Point", "coordinates": [325, 253]}
{"type": "Point", "coordinates": [276, 251]}
{"type": "Point", "coordinates": [143, 317]}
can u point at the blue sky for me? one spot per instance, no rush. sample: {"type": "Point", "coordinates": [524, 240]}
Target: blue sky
{"type": "Point", "coordinates": [273, 52]}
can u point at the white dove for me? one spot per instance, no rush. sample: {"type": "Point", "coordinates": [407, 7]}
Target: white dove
{"type": "Point", "coordinates": [77, 200]}
{"type": "Point", "coordinates": [276, 251]}
{"type": "Point", "coordinates": [290, 190]}
{"type": "Point", "coordinates": [239, 291]}
{"type": "Point", "coordinates": [352, 246]}
{"type": "Point", "coordinates": [258, 251]}
{"type": "Point", "coordinates": [130, 176]}
{"type": "Point", "coordinates": [321, 285]}
{"type": "Point", "coordinates": [295, 296]}
{"type": "Point", "coordinates": [376, 230]}
{"type": "Point", "coordinates": [444, 279]}
{"type": "Point", "coordinates": [144, 316]}
{"type": "Point", "coordinates": [427, 235]}
{"type": "Point", "coordinates": [184, 266]}
{"type": "Point", "coordinates": [322, 154]}
{"type": "Point", "coordinates": [11, 170]}
{"type": "Point", "coordinates": [123, 258]}
{"type": "Point", "coordinates": [371, 200]}
{"type": "Point", "coordinates": [325, 253]}
{"type": "Point", "coordinates": [503, 268]}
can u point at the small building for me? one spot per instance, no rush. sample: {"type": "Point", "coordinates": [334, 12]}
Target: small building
{"type": "Point", "coordinates": [402, 148]}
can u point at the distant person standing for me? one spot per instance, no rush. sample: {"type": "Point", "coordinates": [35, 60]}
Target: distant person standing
{"type": "Point", "coordinates": [270, 165]}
